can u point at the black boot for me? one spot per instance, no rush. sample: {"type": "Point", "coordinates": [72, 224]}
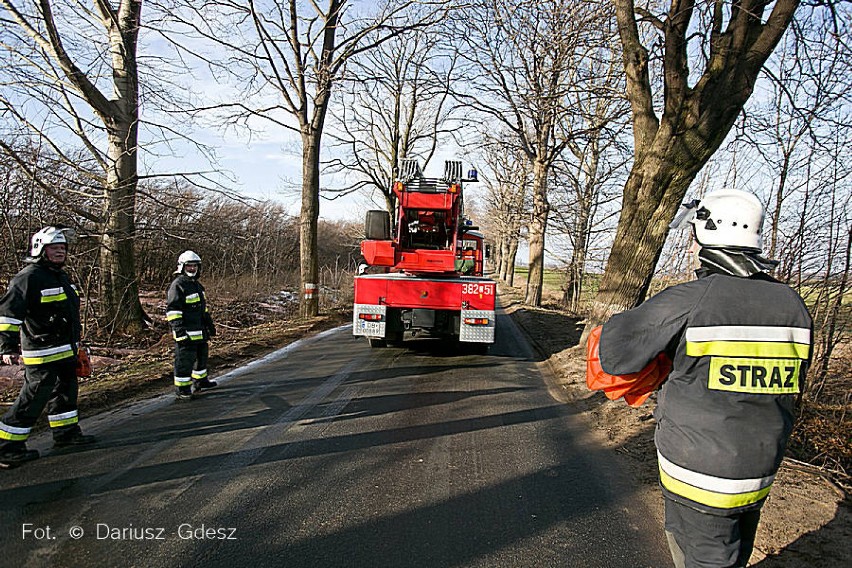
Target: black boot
{"type": "Point", "coordinates": [184, 393]}
{"type": "Point", "coordinates": [13, 456]}
{"type": "Point", "coordinates": [204, 384]}
{"type": "Point", "coordinates": [73, 439]}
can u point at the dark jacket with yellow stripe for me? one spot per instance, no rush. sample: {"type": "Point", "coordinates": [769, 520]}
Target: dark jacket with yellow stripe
{"type": "Point", "coordinates": [186, 310]}
{"type": "Point", "coordinates": [740, 349]}
{"type": "Point", "coordinates": [40, 315]}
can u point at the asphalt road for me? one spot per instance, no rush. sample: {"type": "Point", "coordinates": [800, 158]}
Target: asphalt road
{"type": "Point", "coordinates": [329, 454]}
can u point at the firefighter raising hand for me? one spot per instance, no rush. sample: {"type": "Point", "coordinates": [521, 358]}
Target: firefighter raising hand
{"type": "Point", "coordinates": [740, 344]}
{"type": "Point", "coordinates": [192, 327]}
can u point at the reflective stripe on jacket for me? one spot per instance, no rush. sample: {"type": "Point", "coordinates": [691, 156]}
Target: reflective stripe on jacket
{"type": "Point", "coordinates": [740, 349]}
{"type": "Point", "coordinates": [40, 315]}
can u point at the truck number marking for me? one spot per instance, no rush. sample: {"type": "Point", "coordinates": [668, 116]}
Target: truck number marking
{"type": "Point", "coordinates": [480, 289]}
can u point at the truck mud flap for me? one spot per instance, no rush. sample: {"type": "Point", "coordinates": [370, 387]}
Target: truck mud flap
{"type": "Point", "coordinates": [477, 326]}
{"type": "Point", "coordinates": [369, 320]}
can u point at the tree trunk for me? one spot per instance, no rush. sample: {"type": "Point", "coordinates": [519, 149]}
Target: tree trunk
{"type": "Point", "coordinates": [537, 230]}
{"type": "Point", "coordinates": [494, 257]}
{"type": "Point", "coordinates": [119, 297]}
{"type": "Point", "coordinates": [670, 151]}
{"type": "Point", "coordinates": [390, 205]}
{"type": "Point", "coordinates": [504, 257]}
{"type": "Point", "coordinates": [575, 273]}
{"type": "Point", "coordinates": [775, 217]}
{"type": "Point", "coordinates": [513, 254]}
{"type": "Point", "coordinates": [655, 189]}
{"type": "Point", "coordinates": [512, 241]}
{"type": "Point", "coordinates": [308, 249]}
{"type": "Point", "coordinates": [577, 269]}
{"type": "Point", "coordinates": [120, 303]}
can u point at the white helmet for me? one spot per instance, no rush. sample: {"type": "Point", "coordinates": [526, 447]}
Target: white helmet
{"type": "Point", "coordinates": [51, 236]}
{"type": "Point", "coordinates": [187, 257]}
{"type": "Point", "coordinates": [725, 218]}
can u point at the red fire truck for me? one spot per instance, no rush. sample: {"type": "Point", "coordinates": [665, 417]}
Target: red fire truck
{"type": "Point", "coordinates": [430, 264]}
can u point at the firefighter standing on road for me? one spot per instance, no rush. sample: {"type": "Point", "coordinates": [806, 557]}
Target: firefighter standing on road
{"type": "Point", "coordinates": [740, 343]}
{"type": "Point", "coordinates": [192, 327]}
{"type": "Point", "coordinates": [40, 324]}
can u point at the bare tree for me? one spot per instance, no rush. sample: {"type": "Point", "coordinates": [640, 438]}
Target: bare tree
{"type": "Point", "coordinates": [808, 79]}
{"type": "Point", "coordinates": [394, 104]}
{"type": "Point", "coordinates": [790, 148]}
{"type": "Point", "coordinates": [507, 192]}
{"type": "Point", "coordinates": [285, 58]}
{"type": "Point", "coordinates": [43, 45]}
{"type": "Point", "coordinates": [523, 60]}
{"type": "Point", "coordinates": [595, 159]}
{"type": "Point", "coordinates": [814, 238]}
{"type": "Point", "coordinates": [73, 80]}
{"type": "Point", "coordinates": [729, 42]}
{"type": "Point", "coordinates": [24, 206]}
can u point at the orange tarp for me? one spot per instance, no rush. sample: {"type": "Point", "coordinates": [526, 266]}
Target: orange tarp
{"type": "Point", "coordinates": [635, 388]}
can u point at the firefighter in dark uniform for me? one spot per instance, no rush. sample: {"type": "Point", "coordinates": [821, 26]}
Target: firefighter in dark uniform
{"type": "Point", "coordinates": [40, 325]}
{"type": "Point", "coordinates": [740, 343]}
{"type": "Point", "coordinates": [192, 327]}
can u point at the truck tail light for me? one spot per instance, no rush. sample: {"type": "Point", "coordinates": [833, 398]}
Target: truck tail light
{"type": "Point", "coordinates": [371, 317]}
{"type": "Point", "coordinates": [476, 321]}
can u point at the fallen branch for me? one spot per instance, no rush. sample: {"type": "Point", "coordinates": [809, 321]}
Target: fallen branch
{"type": "Point", "coordinates": [823, 473]}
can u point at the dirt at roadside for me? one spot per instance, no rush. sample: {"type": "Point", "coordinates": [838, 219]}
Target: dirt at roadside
{"type": "Point", "coordinates": [807, 520]}
{"type": "Point", "coordinates": [144, 367]}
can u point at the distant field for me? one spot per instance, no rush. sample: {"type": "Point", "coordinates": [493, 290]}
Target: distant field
{"type": "Point", "coordinates": [554, 283]}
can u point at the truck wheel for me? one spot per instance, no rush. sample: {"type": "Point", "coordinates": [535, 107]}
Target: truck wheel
{"type": "Point", "coordinates": [374, 343]}
{"type": "Point", "coordinates": [475, 348]}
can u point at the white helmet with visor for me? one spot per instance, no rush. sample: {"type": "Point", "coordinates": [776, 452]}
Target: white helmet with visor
{"type": "Point", "coordinates": [51, 236]}
{"type": "Point", "coordinates": [187, 257]}
{"type": "Point", "coordinates": [728, 218]}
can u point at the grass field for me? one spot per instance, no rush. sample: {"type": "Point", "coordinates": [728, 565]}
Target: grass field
{"type": "Point", "coordinates": [554, 284]}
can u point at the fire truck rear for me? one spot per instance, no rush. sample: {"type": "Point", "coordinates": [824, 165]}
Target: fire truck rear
{"type": "Point", "coordinates": [431, 263]}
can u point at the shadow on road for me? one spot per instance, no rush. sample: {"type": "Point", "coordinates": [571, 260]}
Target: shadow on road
{"type": "Point", "coordinates": [275, 404]}
{"type": "Point", "coordinates": [467, 528]}
{"type": "Point", "coordinates": [63, 489]}
{"type": "Point", "coordinates": [387, 404]}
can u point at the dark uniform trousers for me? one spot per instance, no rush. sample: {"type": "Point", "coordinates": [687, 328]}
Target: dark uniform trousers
{"type": "Point", "coordinates": [698, 540]}
{"type": "Point", "coordinates": [53, 385]}
{"type": "Point", "coordinates": [190, 361]}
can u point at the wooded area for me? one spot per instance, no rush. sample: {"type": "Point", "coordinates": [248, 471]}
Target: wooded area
{"type": "Point", "coordinates": [590, 122]}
